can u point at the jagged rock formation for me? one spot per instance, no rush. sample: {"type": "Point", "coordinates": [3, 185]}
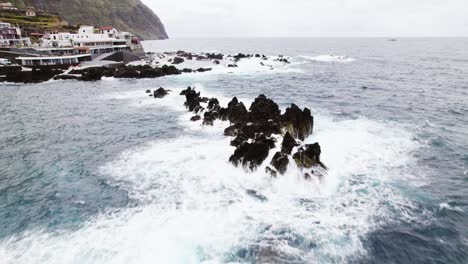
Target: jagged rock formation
{"type": "Point", "coordinates": [125, 15]}
{"type": "Point", "coordinates": [255, 132]}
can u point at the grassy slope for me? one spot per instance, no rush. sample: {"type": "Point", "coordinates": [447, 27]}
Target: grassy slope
{"type": "Point", "coordinates": [126, 15]}
{"type": "Point", "coordinates": [40, 23]}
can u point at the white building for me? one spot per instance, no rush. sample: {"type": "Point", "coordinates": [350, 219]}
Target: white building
{"type": "Point", "coordinates": [54, 61]}
{"type": "Point", "coordinates": [30, 13]}
{"type": "Point", "coordinates": [7, 6]}
{"type": "Point", "coordinates": [89, 40]}
{"type": "Point", "coordinates": [10, 36]}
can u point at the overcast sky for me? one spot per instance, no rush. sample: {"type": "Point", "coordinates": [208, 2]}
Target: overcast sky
{"type": "Point", "coordinates": [309, 18]}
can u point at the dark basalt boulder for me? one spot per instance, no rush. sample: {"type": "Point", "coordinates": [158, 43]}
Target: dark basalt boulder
{"type": "Point", "coordinates": [192, 99]}
{"type": "Point", "coordinates": [65, 77]}
{"type": "Point", "coordinates": [263, 109]}
{"type": "Point", "coordinates": [92, 74]}
{"type": "Point", "coordinates": [240, 56]}
{"type": "Point", "coordinates": [169, 70]}
{"type": "Point", "coordinates": [126, 72]}
{"type": "Point", "coordinates": [209, 118]}
{"type": "Point", "coordinates": [149, 72]}
{"type": "Point", "coordinates": [213, 104]}
{"type": "Point", "coordinates": [308, 156]}
{"type": "Point", "coordinates": [198, 109]}
{"type": "Point", "coordinates": [236, 111]}
{"type": "Point", "coordinates": [213, 56]}
{"type": "Point", "coordinates": [236, 142]}
{"type": "Point", "coordinates": [257, 56]}
{"type": "Point", "coordinates": [148, 91]}
{"type": "Point", "coordinates": [288, 144]}
{"type": "Point", "coordinates": [160, 93]}
{"type": "Point", "coordinates": [184, 92]}
{"type": "Point", "coordinates": [187, 70]}
{"type": "Point", "coordinates": [36, 76]}
{"type": "Point", "coordinates": [299, 123]}
{"type": "Point", "coordinates": [232, 66]}
{"type": "Point", "coordinates": [204, 69]}
{"type": "Point", "coordinates": [252, 155]}
{"type": "Point", "coordinates": [216, 62]}
{"type": "Point", "coordinates": [195, 118]}
{"type": "Point", "coordinates": [268, 128]}
{"type": "Point", "coordinates": [177, 60]}
{"type": "Point", "coordinates": [280, 162]}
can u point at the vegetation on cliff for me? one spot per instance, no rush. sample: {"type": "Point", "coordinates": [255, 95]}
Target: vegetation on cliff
{"type": "Point", "coordinates": [125, 15]}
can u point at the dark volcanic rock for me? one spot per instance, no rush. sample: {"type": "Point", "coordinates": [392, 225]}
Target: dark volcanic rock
{"type": "Point", "coordinates": [177, 60]}
{"type": "Point", "coordinates": [195, 118]}
{"type": "Point", "coordinates": [126, 72]}
{"type": "Point", "coordinates": [309, 156]}
{"type": "Point", "coordinates": [169, 70]}
{"type": "Point", "coordinates": [232, 65]}
{"type": "Point", "coordinates": [65, 77]}
{"type": "Point", "coordinates": [236, 111]}
{"type": "Point", "coordinates": [150, 72]}
{"type": "Point", "coordinates": [280, 162]}
{"type": "Point", "coordinates": [263, 109]}
{"type": "Point", "coordinates": [160, 93]}
{"type": "Point", "coordinates": [37, 76]}
{"type": "Point", "coordinates": [209, 118]}
{"type": "Point", "coordinates": [240, 56]}
{"type": "Point", "coordinates": [299, 123]}
{"type": "Point", "coordinates": [288, 144]}
{"type": "Point", "coordinates": [204, 69]}
{"type": "Point", "coordinates": [213, 104]}
{"type": "Point", "coordinates": [252, 131]}
{"type": "Point", "coordinates": [251, 155]}
{"type": "Point", "coordinates": [192, 98]}
{"type": "Point", "coordinates": [213, 56]}
{"type": "Point", "coordinates": [92, 74]}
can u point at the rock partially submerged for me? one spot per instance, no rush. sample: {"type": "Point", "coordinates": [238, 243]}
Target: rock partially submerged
{"type": "Point", "coordinates": [160, 92]}
{"type": "Point", "coordinates": [255, 132]}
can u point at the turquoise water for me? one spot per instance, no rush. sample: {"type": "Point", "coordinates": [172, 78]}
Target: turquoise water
{"type": "Point", "coordinates": [101, 173]}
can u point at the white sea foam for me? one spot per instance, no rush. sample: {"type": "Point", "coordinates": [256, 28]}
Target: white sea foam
{"type": "Point", "coordinates": [446, 206]}
{"type": "Point", "coordinates": [329, 58]}
{"type": "Point", "coordinates": [195, 207]}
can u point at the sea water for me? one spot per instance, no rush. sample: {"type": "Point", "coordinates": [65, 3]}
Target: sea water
{"type": "Point", "coordinates": [101, 173]}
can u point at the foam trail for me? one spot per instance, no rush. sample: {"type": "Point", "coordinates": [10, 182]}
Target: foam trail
{"type": "Point", "coordinates": [328, 58]}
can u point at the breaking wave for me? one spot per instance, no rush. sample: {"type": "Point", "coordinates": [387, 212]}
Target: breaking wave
{"type": "Point", "coordinates": [195, 207]}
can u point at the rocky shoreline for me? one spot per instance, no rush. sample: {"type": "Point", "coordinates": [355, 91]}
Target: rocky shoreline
{"type": "Point", "coordinates": [154, 66]}
{"type": "Point", "coordinates": [257, 130]}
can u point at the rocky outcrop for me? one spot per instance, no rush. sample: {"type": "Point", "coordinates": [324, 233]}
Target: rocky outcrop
{"type": "Point", "coordinates": [136, 72]}
{"type": "Point", "coordinates": [298, 122]}
{"type": "Point", "coordinates": [255, 132]}
{"type": "Point", "coordinates": [160, 93]}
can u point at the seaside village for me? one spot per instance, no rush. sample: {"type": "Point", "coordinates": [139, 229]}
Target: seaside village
{"type": "Point", "coordinates": [86, 44]}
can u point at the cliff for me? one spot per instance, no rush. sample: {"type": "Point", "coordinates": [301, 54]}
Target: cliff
{"type": "Point", "coordinates": [125, 15]}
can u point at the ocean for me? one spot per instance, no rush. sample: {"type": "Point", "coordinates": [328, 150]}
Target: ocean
{"type": "Point", "coordinates": [98, 172]}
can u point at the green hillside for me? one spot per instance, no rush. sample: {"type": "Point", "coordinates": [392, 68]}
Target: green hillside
{"type": "Point", "coordinates": [125, 15]}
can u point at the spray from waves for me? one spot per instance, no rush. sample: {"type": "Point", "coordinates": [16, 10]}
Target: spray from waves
{"type": "Point", "coordinates": [195, 207]}
{"type": "Point", "coordinates": [328, 58]}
